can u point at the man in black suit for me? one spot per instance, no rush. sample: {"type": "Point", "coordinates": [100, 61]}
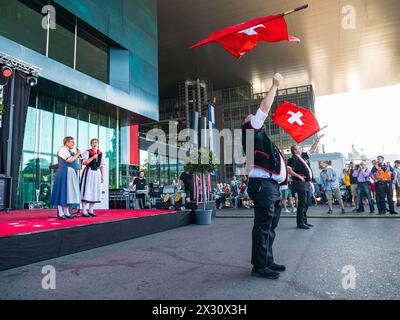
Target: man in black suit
{"type": "Point", "coordinates": [264, 179]}
{"type": "Point", "coordinates": [299, 168]}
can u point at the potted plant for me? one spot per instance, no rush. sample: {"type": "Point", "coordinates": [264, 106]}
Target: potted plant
{"type": "Point", "coordinates": [202, 163]}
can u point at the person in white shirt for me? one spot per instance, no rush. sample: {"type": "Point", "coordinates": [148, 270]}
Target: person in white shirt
{"type": "Point", "coordinates": [269, 171]}
{"type": "Point", "coordinates": [65, 193]}
{"type": "Point", "coordinates": [92, 178]}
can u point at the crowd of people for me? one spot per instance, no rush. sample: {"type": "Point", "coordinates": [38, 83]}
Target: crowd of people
{"type": "Point", "coordinates": [273, 181]}
{"type": "Point", "coordinates": [233, 194]}
{"type": "Point", "coordinates": [376, 185]}
{"type": "Point", "coordinates": [358, 186]}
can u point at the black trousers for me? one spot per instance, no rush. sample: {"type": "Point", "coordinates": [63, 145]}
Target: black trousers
{"type": "Point", "coordinates": [349, 196]}
{"type": "Point", "coordinates": [383, 190]}
{"type": "Point", "coordinates": [304, 197]}
{"type": "Point", "coordinates": [267, 211]}
{"type": "Point", "coordinates": [142, 199]}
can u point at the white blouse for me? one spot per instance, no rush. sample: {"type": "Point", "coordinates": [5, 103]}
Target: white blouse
{"type": "Point", "coordinates": [86, 156]}
{"type": "Point", "coordinates": [64, 153]}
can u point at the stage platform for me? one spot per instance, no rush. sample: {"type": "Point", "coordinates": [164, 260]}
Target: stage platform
{"type": "Point", "coordinates": [31, 236]}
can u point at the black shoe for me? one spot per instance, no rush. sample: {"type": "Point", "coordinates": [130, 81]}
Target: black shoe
{"type": "Point", "coordinates": [355, 209]}
{"type": "Point", "coordinates": [265, 273]}
{"type": "Point", "coordinates": [92, 215]}
{"type": "Point", "coordinates": [85, 215]}
{"type": "Point", "coordinates": [393, 212]}
{"type": "Point", "coordinates": [277, 267]}
{"type": "Point", "coordinates": [303, 226]}
{"type": "Point", "coordinates": [372, 211]}
{"type": "Point", "coordinates": [61, 217]}
{"type": "Point", "coordinates": [70, 217]}
{"type": "Point", "coordinates": [309, 224]}
{"type": "Point", "coordinates": [343, 211]}
{"type": "Point", "coordinates": [330, 211]}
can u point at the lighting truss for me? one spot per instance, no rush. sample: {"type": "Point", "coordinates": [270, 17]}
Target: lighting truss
{"type": "Point", "coordinates": [19, 64]}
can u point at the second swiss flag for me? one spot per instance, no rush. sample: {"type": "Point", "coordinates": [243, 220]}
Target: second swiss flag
{"type": "Point", "coordinates": [299, 122]}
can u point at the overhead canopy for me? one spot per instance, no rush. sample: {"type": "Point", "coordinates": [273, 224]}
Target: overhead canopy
{"type": "Point", "coordinates": [332, 58]}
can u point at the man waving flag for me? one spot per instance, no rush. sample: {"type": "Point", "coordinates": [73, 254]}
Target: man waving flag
{"type": "Point", "coordinates": [241, 38]}
{"type": "Point", "coordinates": [300, 123]}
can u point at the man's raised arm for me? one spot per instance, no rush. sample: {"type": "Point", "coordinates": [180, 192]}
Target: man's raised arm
{"type": "Point", "coordinates": [266, 104]}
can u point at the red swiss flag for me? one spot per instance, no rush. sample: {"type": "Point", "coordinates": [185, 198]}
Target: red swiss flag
{"type": "Point", "coordinates": [244, 37]}
{"type": "Point", "coordinates": [300, 123]}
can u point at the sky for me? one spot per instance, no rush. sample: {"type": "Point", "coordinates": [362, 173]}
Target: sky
{"type": "Point", "coordinates": [369, 119]}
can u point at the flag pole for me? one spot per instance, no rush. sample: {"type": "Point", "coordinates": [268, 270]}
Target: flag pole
{"type": "Point", "coordinates": [312, 134]}
{"type": "Point", "coordinates": [321, 129]}
{"type": "Point", "coordinates": [203, 42]}
{"type": "Point", "coordinates": [294, 10]}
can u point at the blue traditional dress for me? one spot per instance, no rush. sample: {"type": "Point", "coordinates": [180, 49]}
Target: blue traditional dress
{"type": "Point", "coordinates": [66, 182]}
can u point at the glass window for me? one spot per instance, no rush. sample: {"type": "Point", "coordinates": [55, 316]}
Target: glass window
{"type": "Point", "coordinates": [92, 55]}
{"type": "Point", "coordinates": [59, 125]}
{"type": "Point", "coordinates": [154, 169]}
{"type": "Point", "coordinates": [83, 128]}
{"type": "Point", "coordinates": [62, 41]}
{"type": "Point", "coordinates": [27, 178]}
{"type": "Point", "coordinates": [112, 156]}
{"type": "Point", "coordinates": [173, 169]}
{"type": "Point", "coordinates": [44, 178]}
{"type": "Point", "coordinates": [144, 162]}
{"type": "Point", "coordinates": [112, 147]}
{"type": "Point", "coordinates": [30, 130]}
{"type": "Point", "coordinates": [181, 167]}
{"type": "Point", "coordinates": [103, 124]}
{"type": "Point", "coordinates": [46, 133]}
{"type": "Point", "coordinates": [103, 139]}
{"type": "Point", "coordinates": [72, 122]}
{"type": "Point", "coordinates": [23, 24]}
{"type": "Point", "coordinates": [94, 123]}
{"type": "Point", "coordinates": [164, 172]}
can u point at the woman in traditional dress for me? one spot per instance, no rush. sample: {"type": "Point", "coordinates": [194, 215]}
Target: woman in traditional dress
{"type": "Point", "coordinates": [92, 178]}
{"type": "Point", "coordinates": [65, 193]}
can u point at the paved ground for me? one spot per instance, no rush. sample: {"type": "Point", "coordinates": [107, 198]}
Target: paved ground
{"type": "Point", "coordinates": [212, 262]}
{"type": "Point", "coordinates": [320, 211]}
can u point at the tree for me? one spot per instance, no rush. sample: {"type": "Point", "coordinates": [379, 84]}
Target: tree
{"type": "Point", "coordinates": [202, 162]}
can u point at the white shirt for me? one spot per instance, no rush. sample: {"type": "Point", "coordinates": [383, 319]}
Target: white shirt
{"type": "Point", "coordinates": [308, 168]}
{"type": "Point", "coordinates": [86, 156]}
{"type": "Point", "coordinates": [257, 122]}
{"type": "Point", "coordinates": [64, 153]}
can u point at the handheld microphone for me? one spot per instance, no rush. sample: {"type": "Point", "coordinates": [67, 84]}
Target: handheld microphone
{"type": "Point", "coordinates": [75, 151]}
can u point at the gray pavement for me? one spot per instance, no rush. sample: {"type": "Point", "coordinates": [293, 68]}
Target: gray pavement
{"type": "Point", "coordinates": [213, 262]}
{"type": "Point", "coordinates": [320, 211]}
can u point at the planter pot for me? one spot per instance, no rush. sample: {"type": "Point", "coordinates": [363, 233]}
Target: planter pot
{"type": "Point", "coordinates": [203, 217]}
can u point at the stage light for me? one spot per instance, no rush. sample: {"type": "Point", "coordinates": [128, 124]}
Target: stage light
{"type": "Point", "coordinates": [33, 81]}
{"type": "Point", "coordinates": [7, 72]}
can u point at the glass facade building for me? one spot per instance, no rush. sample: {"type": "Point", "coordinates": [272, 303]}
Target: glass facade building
{"type": "Point", "coordinates": [69, 40]}
{"type": "Point", "coordinates": [55, 112]}
{"type": "Point", "coordinates": [98, 65]}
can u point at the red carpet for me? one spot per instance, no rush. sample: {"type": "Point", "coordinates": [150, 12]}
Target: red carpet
{"type": "Point", "coordinates": [20, 222]}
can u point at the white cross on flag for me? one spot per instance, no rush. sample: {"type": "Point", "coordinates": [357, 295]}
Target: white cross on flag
{"type": "Point", "coordinates": [299, 122]}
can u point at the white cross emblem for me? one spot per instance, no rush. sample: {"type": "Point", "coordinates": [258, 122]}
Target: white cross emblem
{"type": "Point", "coordinates": [252, 31]}
{"type": "Point", "coordinates": [296, 117]}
